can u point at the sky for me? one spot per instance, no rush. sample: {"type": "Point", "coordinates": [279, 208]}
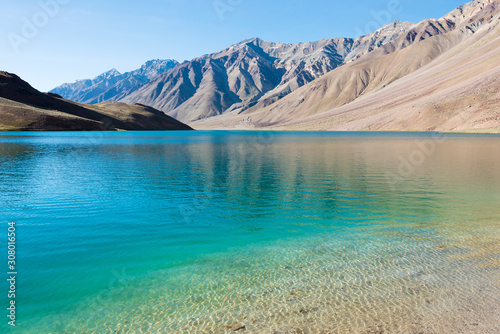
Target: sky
{"type": "Point", "coordinates": [50, 42]}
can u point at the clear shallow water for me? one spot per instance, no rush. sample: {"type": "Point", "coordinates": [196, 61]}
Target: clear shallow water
{"type": "Point", "coordinates": [198, 232]}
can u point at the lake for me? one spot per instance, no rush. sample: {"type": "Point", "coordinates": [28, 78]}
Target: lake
{"type": "Point", "coordinates": [268, 232]}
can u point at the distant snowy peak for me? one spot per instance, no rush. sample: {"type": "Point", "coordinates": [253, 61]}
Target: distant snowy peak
{"type": "Point", "coordinates": [155, 67]}
{"type": "Point", "coordinates": [159, 63]}
{"type": "Point", "coordinates": [109, 74]}
{"type": "Point", "coordinates": [112, 85]}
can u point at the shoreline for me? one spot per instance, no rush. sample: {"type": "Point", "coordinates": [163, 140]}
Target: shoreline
{"type": "Point", "coordinates": [376, 132]}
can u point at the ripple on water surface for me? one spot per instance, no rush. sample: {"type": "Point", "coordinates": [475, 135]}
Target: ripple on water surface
{"type": "Point", "coordinates": [224, 232]}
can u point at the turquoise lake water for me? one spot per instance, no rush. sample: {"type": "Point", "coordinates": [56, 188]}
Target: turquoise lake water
{"type": "Point", "coordinates": [279, 232]}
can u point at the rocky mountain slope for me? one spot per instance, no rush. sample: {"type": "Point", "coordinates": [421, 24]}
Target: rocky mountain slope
{"type": "Point", "coordinates": [439, 75]}
{"type": "Point", "coordinates": [338, 83]}
{"type": "Point", "coordinates": [24, 108]}
{"type": "Point", "coordinates": [112, 85]}
{"type": "Point", "coordinates": [252, 72]}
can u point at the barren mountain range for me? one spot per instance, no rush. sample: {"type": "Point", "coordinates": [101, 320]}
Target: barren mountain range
{"type": "Point", "coordinates": [112, 85]}
{"type": "Point", "coordinates": [439, 74]}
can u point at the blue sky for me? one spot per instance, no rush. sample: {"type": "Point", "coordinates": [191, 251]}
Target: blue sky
{"type": "Point", "coordinates": [49, 42]}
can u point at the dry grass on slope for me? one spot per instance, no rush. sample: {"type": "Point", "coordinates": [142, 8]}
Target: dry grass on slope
{"type": "Point", "coordinates": [24, 108]}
